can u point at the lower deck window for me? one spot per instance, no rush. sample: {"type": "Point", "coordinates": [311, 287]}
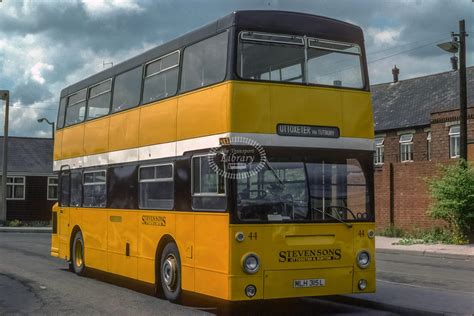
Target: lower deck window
{"type": "Point", "coordinates": [65, 183]}
{"type": "Point", "coordinates": [311, 192]}
{"type": "Point", "coordinates": [156, 187]}
{"type": "Point", "coordinates": [76, 188]}
{"type": "Point", "coordinates": [95, 189]}
{"type": "Point", "coordinates": [208, 187]}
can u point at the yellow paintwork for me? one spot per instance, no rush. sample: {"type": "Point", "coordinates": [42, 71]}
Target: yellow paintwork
{"type": "Point", "coordinates": [73, 141]}
{"type": "Point", "coordinates": [211, 262]}
{"type": "Point", "coordinates": [58, 141]}
{"type": "Point", "coordinates": [158, 122]}
{"type": "Point", "coordinates": [204, 113]}
{"type": "Point", "coordinates": [96, 135]}
{"type": "Point", "coordinates": [276, 278]}
{"type": "Point", "coordinates": [211, 258]}
{"type": "Point", "coordinates": [231, 106]}
{"type": "Point", "coordinates": [123, 130]}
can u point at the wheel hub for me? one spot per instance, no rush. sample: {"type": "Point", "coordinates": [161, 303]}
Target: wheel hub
{"type": "Point", "coordinates": [78, 254]}
{"type": "Point", "coordinates": [169, 272]}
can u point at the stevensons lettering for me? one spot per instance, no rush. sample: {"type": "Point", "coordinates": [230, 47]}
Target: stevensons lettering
{"type": "Point", "coordinates": [153, 220]}
{"type": "Point", "coordinates": [310, 255]}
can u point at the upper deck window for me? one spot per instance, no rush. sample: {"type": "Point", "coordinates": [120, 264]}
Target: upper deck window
{"type": "Point", "coordinates": [161, 78]}
{"type": "Point", "coordinates": [127, 88]}
{"type": "Point", "coordinates": [271, 57]}
{"type": "Point", "coordinates": [287, 58]}
{"type": "Point", "coordinates": [334, 64]}
{"type": "Point", "coordinates": [76, 108]}
{"type": "Point", "coordinates": [204, 63]}
{"type": "Point", "coordinates": [61, 112]}
{"type": "Point", "coordinates": [99, 99]}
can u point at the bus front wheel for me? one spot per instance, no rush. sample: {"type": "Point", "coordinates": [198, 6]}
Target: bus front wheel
{"type": "Point", "coordinates": [77, 256]}
{"type": "Point", "coordinates": [170, 272]}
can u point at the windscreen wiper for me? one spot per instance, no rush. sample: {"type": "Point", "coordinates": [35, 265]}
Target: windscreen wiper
{"type": "Point", "coordinates": [274, 172]}
{"type": "Point", "coordinates": [349, 225]}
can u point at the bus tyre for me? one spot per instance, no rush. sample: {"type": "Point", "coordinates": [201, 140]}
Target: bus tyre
{"type": "Point", "coordinates": [170, 272]}
{"type": "Point", "coordinates": [77, 257]}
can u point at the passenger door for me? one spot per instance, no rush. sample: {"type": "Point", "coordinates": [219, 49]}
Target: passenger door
{"type": "Point", "coordinates": [63, 214]}
{"type": "Point", "coordinates": [122, 221]}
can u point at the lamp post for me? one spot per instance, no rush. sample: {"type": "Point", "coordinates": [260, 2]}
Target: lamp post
{"type": "Point", "coordinates": [458, 44]}
{"type": "Point", "coordinates": [4, 95]}
{"type": "Point", "coordinates": [43, 119]}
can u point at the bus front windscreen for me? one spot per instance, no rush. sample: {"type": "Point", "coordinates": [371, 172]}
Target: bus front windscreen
{"type": "Point", "coordinates": [304, 192]}
{"type": "Point", "coordinates": [295, 59]}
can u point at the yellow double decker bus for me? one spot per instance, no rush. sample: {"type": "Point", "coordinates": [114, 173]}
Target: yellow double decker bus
{"type": "Point", "coordinates": [234, 161]}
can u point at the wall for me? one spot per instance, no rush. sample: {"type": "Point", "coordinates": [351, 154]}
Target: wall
{"type": "Point", "coordinates": [35, 206]}
{"type": "Point", "coordinates": [406, 189]}
{"type": "Point", "coordinates": [400, 188]}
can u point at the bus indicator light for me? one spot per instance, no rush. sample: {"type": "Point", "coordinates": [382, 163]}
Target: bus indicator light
{"type": "Point", "coordinates": [239, 236]}
{"type": "Point", "coordinates": [371, 234]}
{"type": "Point", "coordinates": [362, 284]}
{"type": "Point", "coordinates": [250, 290]}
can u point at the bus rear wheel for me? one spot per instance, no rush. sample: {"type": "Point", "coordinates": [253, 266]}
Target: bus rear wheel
{"type": "Point", "coordinates": [77, 255]}
{"type": "Point", "coordinates": [170, 272]}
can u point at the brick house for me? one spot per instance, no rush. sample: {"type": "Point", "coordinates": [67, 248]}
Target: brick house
{"type": "Point", "coordinates": [416, 130]}
{"type": "Point", "coordinates": [32, 187]}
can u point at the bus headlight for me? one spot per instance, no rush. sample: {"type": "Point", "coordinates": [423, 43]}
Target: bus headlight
{"type": "Point", "coordinates": [362, 284]}
{"type": "Point", "coordinates": [251, 263]}
{"type": "Point", "coordinates": [363, 259]}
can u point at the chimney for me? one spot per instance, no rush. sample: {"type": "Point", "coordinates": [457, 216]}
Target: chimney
{"type": "Point", "coordinates": [395, 73]}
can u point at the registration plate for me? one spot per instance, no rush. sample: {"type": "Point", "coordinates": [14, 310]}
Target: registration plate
{"type": "Point", "coordinates": [309, 283]}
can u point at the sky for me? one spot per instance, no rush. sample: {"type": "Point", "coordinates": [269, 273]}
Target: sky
{"type": "Point", "coordinates": [46, 45]}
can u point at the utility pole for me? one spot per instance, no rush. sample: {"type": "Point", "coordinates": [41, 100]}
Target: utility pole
{"type": "Point", "coordinates": [4, 95]}
{"type": "Point", "coordinates": [458, 45]}
{"type": "Point", "coordinates": [462, 90]}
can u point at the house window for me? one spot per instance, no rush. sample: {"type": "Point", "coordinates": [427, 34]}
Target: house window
{"type": "Point", "coordinates": [156, 187]}
{"type": "Point", "coordinates": [406, 147]}
{"type": "Point", "coordinates": [428, 146]}
{"type": "Point", "coordinates": [15, 188]}
{"type": "Point", "coordinates": [454, 141]}
{"type": "Point", "coordinates": [52, 188]}
{"type": "Point", "coordinates": [379, 151]}
{"type": "Point", "coordinates": [95, 193]}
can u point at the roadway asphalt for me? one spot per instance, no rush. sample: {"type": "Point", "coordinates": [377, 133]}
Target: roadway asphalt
{"type": "Point", "coordinates": [32, 282]}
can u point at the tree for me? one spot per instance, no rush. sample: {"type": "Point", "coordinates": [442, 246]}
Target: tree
{"type": "Point", "coordinates": [453, 199]}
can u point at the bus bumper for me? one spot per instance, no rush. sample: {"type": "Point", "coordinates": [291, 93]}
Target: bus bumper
{"type": "Point", "coordinates": [275, 284]}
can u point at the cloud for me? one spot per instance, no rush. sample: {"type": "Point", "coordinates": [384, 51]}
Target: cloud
{"type": "Point", "coordinates": [383, 37]}
{"type": "Point", "coordinates": [99, 8]}
{"type": "Point", "coordinates": [37, 69]}
{"type": "Point", "coordinates": [46, 46]}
